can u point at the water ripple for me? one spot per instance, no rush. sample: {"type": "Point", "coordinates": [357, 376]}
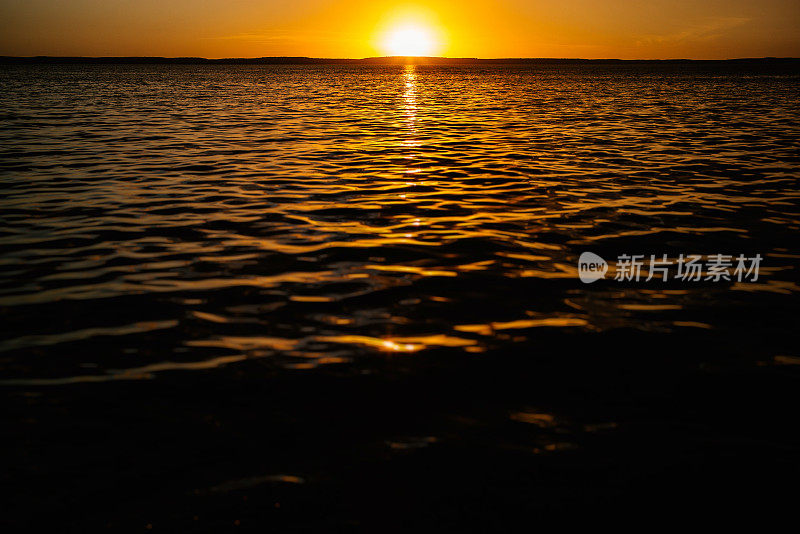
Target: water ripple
{"type": "Point", "coordinates": [176, 217]}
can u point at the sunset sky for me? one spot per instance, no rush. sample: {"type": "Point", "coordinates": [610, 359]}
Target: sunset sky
{"type": "Point", "coordinates": [625, 29]}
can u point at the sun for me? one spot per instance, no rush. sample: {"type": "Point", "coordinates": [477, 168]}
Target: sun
{"type": "Point", "coordinates": [410, 40]}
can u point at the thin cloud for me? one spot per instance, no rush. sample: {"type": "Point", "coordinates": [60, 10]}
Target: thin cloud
{"type": "Point", "coordinates": [707, 31]}
{"type": "Point", "coordinates": [273, 36]}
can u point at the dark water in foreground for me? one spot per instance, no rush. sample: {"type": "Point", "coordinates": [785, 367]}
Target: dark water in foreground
{"type": "Point", "coordinates": [366, 259]}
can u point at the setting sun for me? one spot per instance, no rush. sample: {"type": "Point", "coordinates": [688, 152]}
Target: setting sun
{"type": "Point", "coordinates": [410, 40]}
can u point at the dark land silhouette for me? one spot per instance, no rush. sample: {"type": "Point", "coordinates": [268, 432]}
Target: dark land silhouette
{"type": "Point", "coordinates": [383, 60]}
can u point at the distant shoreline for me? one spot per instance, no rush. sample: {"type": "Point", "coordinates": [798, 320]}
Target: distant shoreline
{"type": "Point", "coordinates": [391, 60]}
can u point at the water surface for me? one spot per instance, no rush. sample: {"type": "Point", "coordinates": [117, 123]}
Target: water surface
{"type": "Point", "coordinates": [189, 217]}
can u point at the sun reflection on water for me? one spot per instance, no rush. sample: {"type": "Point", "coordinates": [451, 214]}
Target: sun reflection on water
{"type": "Point", "coordinates": [410, 106]}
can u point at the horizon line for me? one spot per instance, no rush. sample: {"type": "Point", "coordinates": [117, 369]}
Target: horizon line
{"type": "Point", "coordinates": [383, 58]}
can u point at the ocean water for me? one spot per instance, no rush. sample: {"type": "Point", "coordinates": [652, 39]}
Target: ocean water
{"type": "Point", "coordinates": [180, 218]}
{"type": "Point", "coordinates": [347, 298]}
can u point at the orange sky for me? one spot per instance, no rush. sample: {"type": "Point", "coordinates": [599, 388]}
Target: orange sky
{"type": "Point", "coordinates": [356, 28]}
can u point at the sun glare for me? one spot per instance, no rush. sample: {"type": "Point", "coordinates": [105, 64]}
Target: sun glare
{"type": "Point", "coordinates": [410, 40]}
